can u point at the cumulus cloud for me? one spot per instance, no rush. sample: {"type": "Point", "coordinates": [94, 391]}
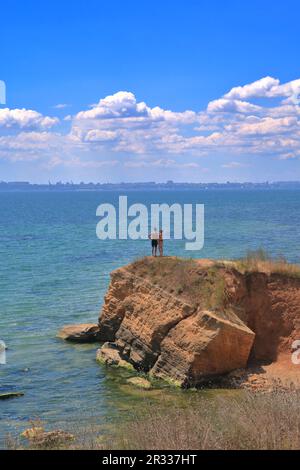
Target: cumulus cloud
{"type": "Point", "coordinates": [232, 106]}
{"type": "Point", "coordinates": [120, 105]}
{"type": "Point", "coordinates": [124, 106]}
{"type": "Point", "coordinates": [259, 118]}
{"type": "Point", "coordinates": [25, 119]}
{"type": "Point", "coordinates": [268, 125]}
{"type": "Point", "coordinates": [260, 88]}
{"type": "Point", "coordinates": [267, 87]}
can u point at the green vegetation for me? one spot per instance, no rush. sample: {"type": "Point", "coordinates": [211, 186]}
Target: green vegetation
{"type": "Point", "coordinates": [250, 421]}
{"type": "Point", "coordinates": [237, 420]}
{"type": "Point", "coordinates": [198, 284]}
{"type": "Point", "coordinates": [261, 261]}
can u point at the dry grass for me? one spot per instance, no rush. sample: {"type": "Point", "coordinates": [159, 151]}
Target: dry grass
{"type": "Point", "coordinates": [247, 421]}
{"type": "Point", "coordinates": [183, 277]}
{"type": "Point", "coordinates": [254, 421]}
{"type": "Point", "coordinates": [260, 261]}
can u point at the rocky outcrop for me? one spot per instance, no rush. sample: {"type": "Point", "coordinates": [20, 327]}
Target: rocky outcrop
{"type": "Point", "coordinates": [188, 321]}
{"type": "Point", "coordinates": [82, 333]}
{"type": "Point", "coordinates": [202, 346]}
{"type": "Point", "coordinates": [165, 330]}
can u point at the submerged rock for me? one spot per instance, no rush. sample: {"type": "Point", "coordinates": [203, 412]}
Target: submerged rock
{"type": "Point", "coordinates": [82, 333]}
{"type": "Point", "coordinates": [7, 395]}
{"type": "Point", "coordinates": [109, 354]}
{"type": "Point", "coordinates": [140, 382]}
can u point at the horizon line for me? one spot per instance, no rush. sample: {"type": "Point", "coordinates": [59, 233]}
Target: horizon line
{"type": "Point", "coordinates": [168, 182]}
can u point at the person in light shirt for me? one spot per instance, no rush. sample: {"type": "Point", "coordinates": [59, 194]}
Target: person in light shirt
{"type": "Point", "coordinates": [154, 237]}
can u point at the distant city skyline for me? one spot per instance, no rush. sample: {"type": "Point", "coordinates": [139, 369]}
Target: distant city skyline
{"type": "Point", "coordinates": [145, 186]}
{"type": "Point", "coordinates": [119, 91]}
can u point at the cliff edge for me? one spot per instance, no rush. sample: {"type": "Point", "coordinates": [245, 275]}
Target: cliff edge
{"type": "Point", "coordinates": [189, 320]}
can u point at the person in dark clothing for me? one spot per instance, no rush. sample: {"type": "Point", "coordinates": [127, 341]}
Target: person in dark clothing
{"type": "Point", "coordinates": [154, 237]}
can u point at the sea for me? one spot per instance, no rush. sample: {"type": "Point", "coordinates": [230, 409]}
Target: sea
{"type": "Point", "coordinates": [55, 271]}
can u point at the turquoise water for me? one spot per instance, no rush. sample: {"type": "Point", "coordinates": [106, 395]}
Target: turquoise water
{"type": "Point", "coordinates": [54, 271]}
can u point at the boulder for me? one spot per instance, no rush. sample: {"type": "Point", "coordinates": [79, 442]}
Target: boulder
{"type": "Point", "coordinates": [82, 333]}
{"type": "Point", "coordinates": [109, 354]}
{"type": "Point", "coordinates": [203, 346]}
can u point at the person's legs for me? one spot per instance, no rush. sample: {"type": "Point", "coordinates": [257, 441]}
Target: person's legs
{"type": "Point", "coordinates": [155, 248]}
{"type": "Point", "coordinates": [161, 249]}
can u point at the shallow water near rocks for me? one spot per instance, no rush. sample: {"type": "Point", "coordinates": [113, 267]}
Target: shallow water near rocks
{"type": "Point", "coordinates": [54, 271]}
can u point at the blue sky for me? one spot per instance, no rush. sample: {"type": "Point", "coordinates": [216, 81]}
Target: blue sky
{"type": "Point", "coordinates": [111, 91]}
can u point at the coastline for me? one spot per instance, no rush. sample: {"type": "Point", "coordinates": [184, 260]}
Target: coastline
{"type": "Point", "coordinates": [267, 359]}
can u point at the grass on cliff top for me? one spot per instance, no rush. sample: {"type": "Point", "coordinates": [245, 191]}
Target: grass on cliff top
{"type": "Point", "coordinates": [261, 261]}
{"type": "Point", "coordinates": [201, 283]}
{"type": "Point", "coordinates": [197, 284]}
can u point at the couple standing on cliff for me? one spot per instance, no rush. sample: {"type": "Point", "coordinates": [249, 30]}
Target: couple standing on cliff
{"type": "Point", "coordinates": [157, 240]}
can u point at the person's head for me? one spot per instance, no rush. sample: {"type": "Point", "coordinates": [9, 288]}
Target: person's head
{"type": "Point", "coordinates": [161, 231]}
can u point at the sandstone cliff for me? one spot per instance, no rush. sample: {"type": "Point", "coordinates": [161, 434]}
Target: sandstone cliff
{"type": "Point", "coordinates": [187, 320]}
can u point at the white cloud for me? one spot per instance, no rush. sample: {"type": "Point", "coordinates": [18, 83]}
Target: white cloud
{"type": "Point", "coordinates": [28, 141]}
{"type": "Point", "coordinates": [25, 119]}
{"type": "Point", "coordinates": [232, 165]}
{"type": "Point", "coordinates": [232, 106]}
{"type": "Point", "coordinates": [119, 124]}
{"type": "Point", "coordinates": [160, 163]}
{"type": "Point", "coordinates": [124, 106]}
{"type": "Point", "coordinates": [267, 87]}
{"type": "Point", "coordinates": [260, 88]}
{"type": "Point", "coordinates": [268, 126]}
{"type": "Point", "coordinates": [96, 135]}
{"type": "Point", "coordinates": [80, 163]}
{"type": "Point", "coordinates": [61, 106]}
{"type": "Point", "coordinates": [289, 156]}
{"type": "Point", "coordinates": [27, 146]}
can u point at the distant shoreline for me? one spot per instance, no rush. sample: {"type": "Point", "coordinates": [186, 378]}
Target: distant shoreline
{"type": "Point", "coordinates": [150, 186]}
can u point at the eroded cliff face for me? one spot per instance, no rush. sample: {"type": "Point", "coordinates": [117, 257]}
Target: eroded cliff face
{"type": "Point", "coordinates": [186, 321]}
{"type": "Point", "coordinates": [272, 311]}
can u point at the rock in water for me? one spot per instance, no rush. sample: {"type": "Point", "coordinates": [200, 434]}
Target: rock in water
{"type": "Point", "coordinates": [82, 333]}
{"type": "Point", "coordinates": [7, 395]}
{"type": "Point", "coordinates": [140, 382]}
{"type": "Point", "coordinates": [109, 354]}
